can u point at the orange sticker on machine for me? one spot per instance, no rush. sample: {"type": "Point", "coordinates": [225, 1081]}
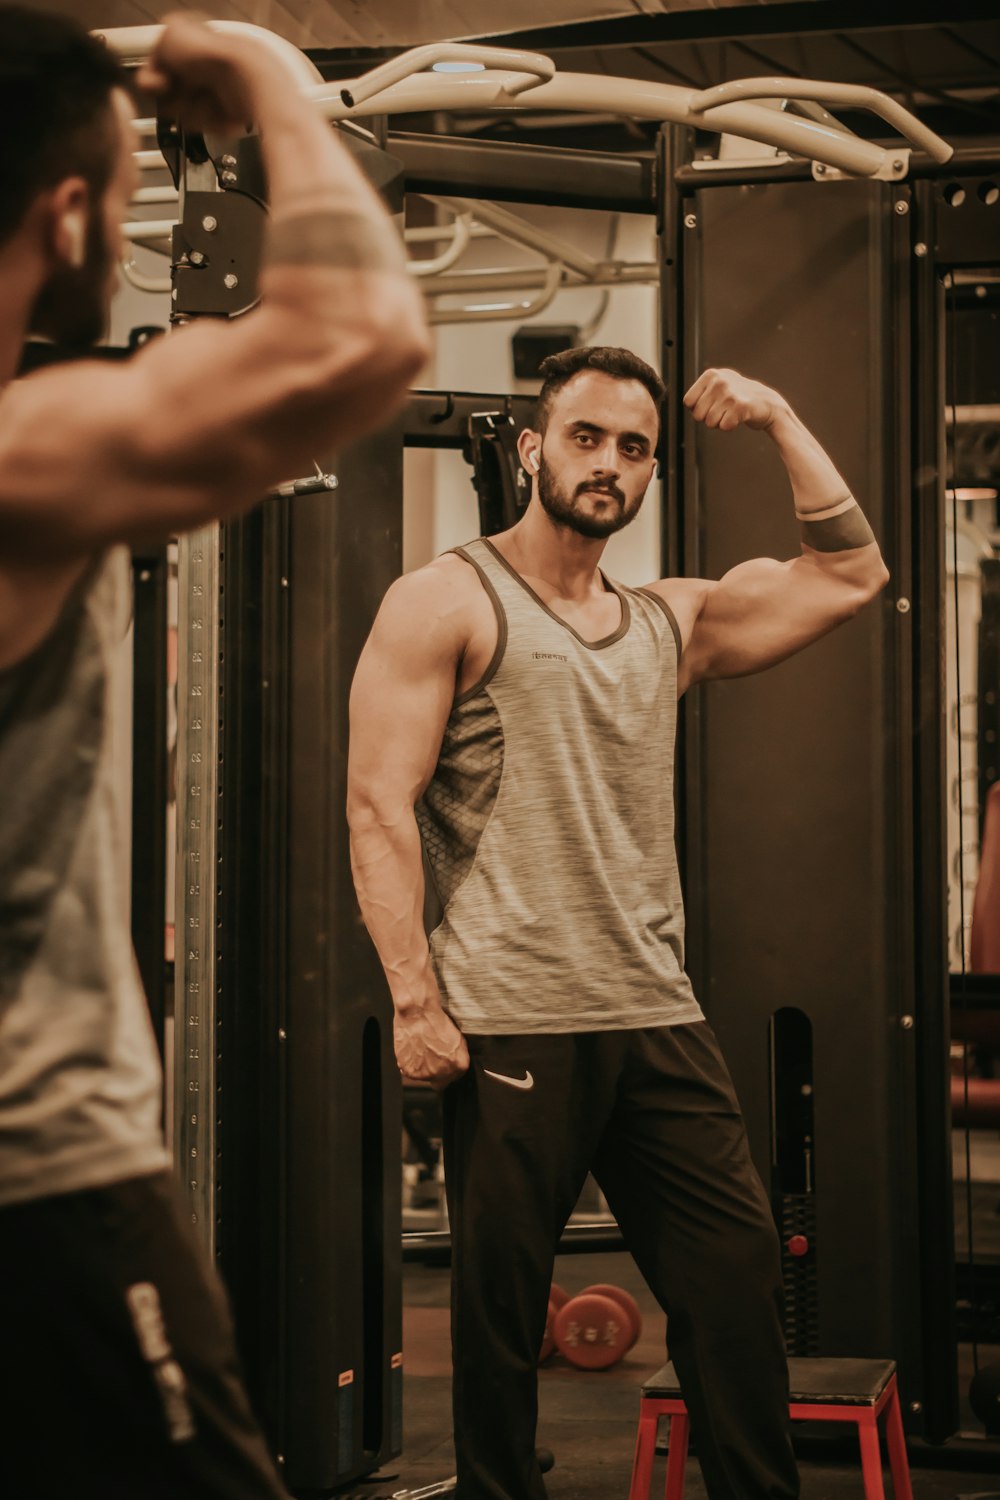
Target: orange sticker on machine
{"type": "Point", "coordinates": [346, 1377]}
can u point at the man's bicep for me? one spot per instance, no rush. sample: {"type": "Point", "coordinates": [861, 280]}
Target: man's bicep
{"type": "Point", "coordinates": [760, 613]}
{"type": "Point", "coordinates": [401, 698]}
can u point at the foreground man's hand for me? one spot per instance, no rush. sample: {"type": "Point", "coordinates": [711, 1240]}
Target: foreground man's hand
{"type": "Point", "coordinates": [207, 78]}
{"type": "Point", "coordinates": [429, 1047]}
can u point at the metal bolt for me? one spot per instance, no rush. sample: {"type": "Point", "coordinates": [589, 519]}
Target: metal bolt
{"type": "Point", "coordinates": [897, 165]}
{"type": "Point", "coordinates": [820, 168]}
{"type": "Point", "coordinates": [690, 221]}
{"type": "Point", "coordinates": [282, 1033]}
{"type": "Point", "coordinates": [230, 281]}
{"type": "Point", "coordinates": [197, 258]}
{"type": "Point", "coordinates": [906, 1022]}
{"type": "Point", "coordinates": [902, 207]}
{"type": "Point", "coordinates": [228, 177]}
{"type": "Point", "coordinates": [920, 249]}
{"type": "Point", "coordinates": [916, 1406]}
{"type": "Point", "coordinates": [209, 224]}
{"type": "Point", "coordinates": [229, 160]}
{"type": "Point", "coordinates": [284, 583]}
{"type": "Point", "coordinates": [145, 575]}
{"type": "Point", "coordinates": [903, 605]}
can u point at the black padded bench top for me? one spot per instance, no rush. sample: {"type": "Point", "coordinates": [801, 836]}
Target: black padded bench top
{"type": "Point", "coordinates": [829, 1382]}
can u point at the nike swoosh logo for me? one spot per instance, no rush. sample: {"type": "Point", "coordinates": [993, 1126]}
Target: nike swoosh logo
{"type": "Point", "coordinates": [527, 1082]}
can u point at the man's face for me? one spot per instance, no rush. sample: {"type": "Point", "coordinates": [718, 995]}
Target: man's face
{"type": "Point", "coordinates": [73, 305]}
{"type": "Point", "coordinates": [597, 454]}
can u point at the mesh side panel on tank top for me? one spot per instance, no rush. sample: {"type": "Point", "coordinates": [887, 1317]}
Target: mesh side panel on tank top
{"type": "Point", "coordinates": [456, 807]}
{"type": "Point", "coordinates": [51, 729]}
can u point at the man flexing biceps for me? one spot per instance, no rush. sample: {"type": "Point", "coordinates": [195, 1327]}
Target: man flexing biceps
{"type": "Point", "coordinates": [516, 709]}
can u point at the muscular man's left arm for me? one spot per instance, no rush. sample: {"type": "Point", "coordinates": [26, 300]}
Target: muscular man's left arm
{"type": "Point", "coordinates": [765, 610]}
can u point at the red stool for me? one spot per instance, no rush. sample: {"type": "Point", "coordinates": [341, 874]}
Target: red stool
{"type": "Point", "coordinates": [822, 1390]}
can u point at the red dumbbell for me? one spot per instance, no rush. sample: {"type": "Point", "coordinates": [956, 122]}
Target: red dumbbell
{"type": "Point", "coordinates": [626, 1302]}
{"type": "Point", "coordinates": [592, 1331]}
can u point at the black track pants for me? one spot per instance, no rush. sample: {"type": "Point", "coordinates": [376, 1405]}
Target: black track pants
{"type": "Point", "coordinates": [118, 1374]}
{"type": "Point", "coordinates": [653, 1115]}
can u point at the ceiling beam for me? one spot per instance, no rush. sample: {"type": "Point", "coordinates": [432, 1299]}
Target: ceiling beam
{"type": "Point", "coordinates": [780, 19]}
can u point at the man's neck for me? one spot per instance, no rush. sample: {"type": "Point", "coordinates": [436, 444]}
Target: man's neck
{"type": "Point", "coordinates": [540, 547]}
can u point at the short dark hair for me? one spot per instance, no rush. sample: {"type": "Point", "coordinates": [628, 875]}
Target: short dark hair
{"type": "Point", "coordinates": [55, 109]}
{"type": "Point", "coordinates": [558, 369]}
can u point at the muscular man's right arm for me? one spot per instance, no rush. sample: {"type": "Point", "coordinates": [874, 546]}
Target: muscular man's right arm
{"type": "Point", "coordinates": [400, 701]}
{"type": "Point", "coordinates": [205, 422]}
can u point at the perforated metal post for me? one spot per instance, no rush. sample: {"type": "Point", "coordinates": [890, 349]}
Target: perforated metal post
{"type": "Point", "coordinates": [198, 739]}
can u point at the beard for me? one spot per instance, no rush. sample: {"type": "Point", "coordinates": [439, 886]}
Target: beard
{"type": "Point", "coordinates": [72, 307]}
{"type": "Point", "coordinates": [562, 508]}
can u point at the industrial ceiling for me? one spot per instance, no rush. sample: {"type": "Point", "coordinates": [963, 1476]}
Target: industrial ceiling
{"type": "Point", "coordinates": [940, 59]}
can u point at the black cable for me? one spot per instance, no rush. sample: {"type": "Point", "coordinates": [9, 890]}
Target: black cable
{"type": "Point", "coordinates": [991, 62]}
{"type": "Point", "coordinates": [950, 405]}
{"type": "Point", "coordinates": [912, 85]}
{"type": "Point", "coordinates": [762, 57]}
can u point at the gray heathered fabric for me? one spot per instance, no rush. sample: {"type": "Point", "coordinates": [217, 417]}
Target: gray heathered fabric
{"type": "Point", "coordinates": [549, 825]}
{"type": "Point", "coordinates": [79, 1071]}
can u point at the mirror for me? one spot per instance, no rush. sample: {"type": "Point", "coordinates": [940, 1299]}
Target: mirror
{"type": "Point", "coordinates": [972, 677]}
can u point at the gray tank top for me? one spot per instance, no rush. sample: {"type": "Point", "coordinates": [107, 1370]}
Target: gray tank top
{"type": "Point", "coordinates": [548, 824]}
{"type": "Point", "coordinates": [79, 1072]}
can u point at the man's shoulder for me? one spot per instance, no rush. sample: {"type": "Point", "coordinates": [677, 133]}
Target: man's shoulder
{"type": "Point", "coordinates": [684, 598]}
{"type": "Point", "coordinates": [444, 596]}
{"type": "Point", "coordinates": [448, 578]}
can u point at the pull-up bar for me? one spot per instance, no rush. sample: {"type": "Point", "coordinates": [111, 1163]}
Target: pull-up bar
{"type": "Point", "coordinates": [402, 86]}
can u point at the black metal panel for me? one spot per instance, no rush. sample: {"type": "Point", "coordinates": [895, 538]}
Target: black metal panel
{"type": "Point", "coordinates": [149, 777]}
{"type": "Point", "coordinates": [307, 1172]}
{"type": "Point", "coordinates": [966, 220]}
{"type": "Point", "coordinates": [342, 1404]}
{"type": "Point", "coordinates": [800, 792]}
{"type": "Point", "coordinates": [526, 174]}
{"type": "Point", "coordinates": [936, 1239]}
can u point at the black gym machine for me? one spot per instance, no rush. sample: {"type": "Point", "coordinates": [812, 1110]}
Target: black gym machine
{"type": "Point", "coordinates": [302, 1095]}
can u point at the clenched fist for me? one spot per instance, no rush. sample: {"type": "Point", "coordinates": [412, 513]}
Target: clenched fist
{"type": "Point", "coordinates": [207, 78]}
{"type": "Point", "coordinates": [429, 1047]}
{"type": "Point", "coordinates": [725, 399]}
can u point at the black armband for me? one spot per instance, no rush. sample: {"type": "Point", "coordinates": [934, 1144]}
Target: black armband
{"type": "Point", "coordinates": [841, 527]}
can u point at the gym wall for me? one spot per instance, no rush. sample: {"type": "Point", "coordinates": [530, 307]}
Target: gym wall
{"type": "Point", "coordinates": [440, 504]}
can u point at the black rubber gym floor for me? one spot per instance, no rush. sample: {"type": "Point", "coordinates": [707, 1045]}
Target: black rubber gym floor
{"type": "Point", "coordinates": [588, 1419]}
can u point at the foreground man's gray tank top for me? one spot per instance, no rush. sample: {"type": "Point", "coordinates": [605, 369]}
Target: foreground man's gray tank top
{"type": "Point", "coordinates": [549, 824]}
{"type": "Point", "coordinates": [79, 1071]}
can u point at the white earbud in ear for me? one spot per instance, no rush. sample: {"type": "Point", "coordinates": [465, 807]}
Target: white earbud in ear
{"type": "Point", "coordinates": [76, 238]}
{"type": "Point", "coordinates": [533, 461]}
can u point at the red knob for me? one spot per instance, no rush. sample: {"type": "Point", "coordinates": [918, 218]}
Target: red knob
{"type": "Point", "coordinates": [798, 1245]}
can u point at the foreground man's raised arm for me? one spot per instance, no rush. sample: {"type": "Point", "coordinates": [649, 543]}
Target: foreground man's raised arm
{"type": "Point", "coordinates": [400, 702]}
{"type": "Point", "coordinates": [203, 423]}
